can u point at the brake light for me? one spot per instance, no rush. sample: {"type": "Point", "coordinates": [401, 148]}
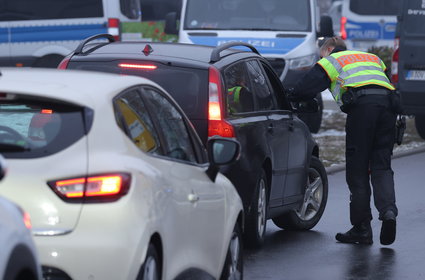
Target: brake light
{"type": "Point", "coordinates": [342, 28]}
{"type": "Point", "coordinates": [64, 63]}
{"type": "Point", "coordinates": [46, 111]}
{"type": "Point", "coordinates": [394, 62]}
{"type": "Point", "coordinates": [216, 124]}
{"type": "Point", "coordinates": [109, 187]}
{"type": "Point", "coordinates": [114, 28]}
{"type": "Point", "coordinates": [138, 66]}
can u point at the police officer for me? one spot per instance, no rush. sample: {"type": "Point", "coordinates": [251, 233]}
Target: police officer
{"type": "Point", "coordinates": [358, 83]}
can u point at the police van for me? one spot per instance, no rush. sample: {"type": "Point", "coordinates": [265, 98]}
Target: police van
{"type": "Point", "coordinates": [283, 31]}
{"type": "Point", "coordinates": [40, 33]}
{"type": "Point", "coordinates": [408, 65]}
{"type": "Point", "coordinates": [368, 23]}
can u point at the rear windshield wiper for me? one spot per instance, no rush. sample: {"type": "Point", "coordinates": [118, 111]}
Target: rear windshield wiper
{"type": "Point", "coordinates": [6, 147]}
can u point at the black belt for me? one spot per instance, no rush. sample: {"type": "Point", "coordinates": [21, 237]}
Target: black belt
{"type": "Point", "coordinates": [372, 91]}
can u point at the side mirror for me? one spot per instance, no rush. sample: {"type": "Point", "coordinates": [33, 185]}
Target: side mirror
{"type": "Point", "coordinates": [221, 151]}
{"type": "Point", "coordinates": [171, 23]}
{"type": "Point", "coordinates": [326, 27]}
{"type": "Point", "coordinates": [310, 106]}
{"type": "Point", "coordinates": [2, 167]}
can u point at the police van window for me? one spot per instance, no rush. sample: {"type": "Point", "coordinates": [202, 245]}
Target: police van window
{"type": "Point", "coordinates": [153, 10]}
{"type": "Point", "coordinates": [11, 10]}
{"type": "Point", "coordinates": [414, 18]}
{"type": "Point", "coordinates": [238, 89]}
{"type": "Point", "coordinates": [173, 128]}
{"type": "Point", "coordinates": [374, 7]}
{"type": "Point", "coordinates": [261, 89]}
{"type": "Point", "coordinates": [134, 120]}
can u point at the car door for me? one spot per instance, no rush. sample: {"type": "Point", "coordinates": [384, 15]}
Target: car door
{"type": "Point", "coordinates": [278, 126]}
{"type": "Point", "coordinates": [206, 221]}
{"type": "Point", "coordinates": [294, 143]}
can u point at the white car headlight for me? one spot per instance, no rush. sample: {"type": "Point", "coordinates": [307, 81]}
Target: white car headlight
{"type": "Point", "coordinates": [302, 62]}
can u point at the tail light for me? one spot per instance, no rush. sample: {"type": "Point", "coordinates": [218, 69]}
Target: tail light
{"type": "Point", "coordinates": [342, 28]}
{"type": "Point", "coordinates": [98, 188]}
{"type": "Point", "coordinates": [114, 28]}
{"type": "Point", "coordinates": [27, 220]}
{"type": "Point", "coordinates": [64, 63]}
{"type": "Point", "coordinates": [394, 62]}
{"type": "Point", "coordinates": [138, 66]}
{"type": "Point", "coordinates": [216, 124]}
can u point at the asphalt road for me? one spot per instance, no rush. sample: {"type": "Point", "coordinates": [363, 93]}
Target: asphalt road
{"type": "Point", "coordinates": [315, 254]}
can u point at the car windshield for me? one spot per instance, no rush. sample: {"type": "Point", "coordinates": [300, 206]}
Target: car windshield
{"type": "Point", "coordinates": [248, 15]}
{"type": "Point", "coordinates": [31, 129]}
{"type": "Point", "coordinates": [375, 7]}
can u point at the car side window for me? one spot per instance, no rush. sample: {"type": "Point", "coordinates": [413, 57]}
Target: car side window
{"type": "Point", "coordinates": [172, 124]}
{"type": "Point", "coordinates": [239, 96]}
{"type": "Point", "coordinates": [134, 119]}
{"type": "Point", "coordinates": [263, 96]}
{"type": "Point", "coordinates": [277, 89]}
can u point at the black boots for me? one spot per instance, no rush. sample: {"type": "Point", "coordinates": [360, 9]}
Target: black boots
{"type": "Point", "coordinates": [388, 228]}
{"type": "Point", "coordinates": [358, 234]}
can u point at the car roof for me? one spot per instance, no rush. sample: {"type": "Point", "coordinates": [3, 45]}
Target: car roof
{"type": "Point", "coordinates": [168, 51]}
{"type": "Point", "coordinates": [74, 86]}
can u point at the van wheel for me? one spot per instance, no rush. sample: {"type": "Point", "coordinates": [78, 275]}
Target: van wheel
{"type": "Point", "coordinates": [150, 269]}
{"type": "Point", "coordinates": [314, 120]}
{"type": "Point", "coordinates": [233, 266]}
{"type": "Point", "coordinates": [420, 125]}
{"type": "Point", "coordinates": [314, 202]}
{"type": "Point", "coordinates": [48, 61]}
{"type": "Point", "coordinates": [255, 225]}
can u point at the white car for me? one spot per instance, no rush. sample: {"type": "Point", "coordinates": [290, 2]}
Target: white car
{"type": "Point", "coordinates": [116, 181]}
{"type": "Point", "coordinates": [18, 255]}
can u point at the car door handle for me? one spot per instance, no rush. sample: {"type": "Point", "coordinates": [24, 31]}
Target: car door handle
{"type": "Point", "coordinates": [192, 197]}
{"type": "Point", "coordinates": [270, 128]}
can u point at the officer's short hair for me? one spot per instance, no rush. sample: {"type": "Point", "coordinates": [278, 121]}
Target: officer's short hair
{"type": "Point", "coordinates": [335, 42]}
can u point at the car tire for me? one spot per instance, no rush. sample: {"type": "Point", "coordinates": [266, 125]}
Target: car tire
{"type": "Point", "coordinates": [255, 221]}
{"type": "Point", "coordinates": [233, 266]}
{"type": "Point", "coordinates": [314, 120]}
{"type": "Point", "coordinates": [420, 125]}
{"type": "Point", "coordinates": [314, 202]}
{"type": "Point", "coordinates": [150, 269]}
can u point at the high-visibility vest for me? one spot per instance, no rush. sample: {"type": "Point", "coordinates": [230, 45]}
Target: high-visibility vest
{"type": "Point", "coordinates": [233, 102]}
{"type": "Point", "coordinates": [353, 69]}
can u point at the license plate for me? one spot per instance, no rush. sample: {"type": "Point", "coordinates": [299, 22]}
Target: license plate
{"type": "Point", "coordinates": [415, 75]}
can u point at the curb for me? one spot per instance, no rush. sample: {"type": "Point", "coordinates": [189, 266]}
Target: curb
{"type": "Point", "coordinates": [340, 167]}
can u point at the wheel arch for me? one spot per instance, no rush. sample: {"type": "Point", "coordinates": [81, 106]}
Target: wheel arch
{"type": "Point", "coordinates": [157, 242]}
{"type": "Point", "coordinates": [21, 265]}
{"type": "Point", "coordinates": [267, 166]}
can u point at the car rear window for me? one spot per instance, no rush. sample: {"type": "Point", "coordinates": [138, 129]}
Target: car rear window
{"type": "Point", "coordinates": [32, 128]}
{"type": "Point", "coordinates": [375, 7]}
{"type": "Point", "coordinates": [188, 86]}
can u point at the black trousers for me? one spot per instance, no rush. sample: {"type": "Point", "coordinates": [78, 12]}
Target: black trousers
{"type": "Point", "coordinates": [370, 131]}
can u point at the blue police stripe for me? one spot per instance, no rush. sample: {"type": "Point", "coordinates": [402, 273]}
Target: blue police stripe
{"type": "Point", "coordinates": [370, 30]}
{"type": "Point", "coordinates": [52, 33]}
{"type": "Point", "coordinates": [263, 45]}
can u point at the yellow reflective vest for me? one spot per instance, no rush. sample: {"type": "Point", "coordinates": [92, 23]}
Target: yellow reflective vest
{"type": "Point", "coordinates": [353, 69]}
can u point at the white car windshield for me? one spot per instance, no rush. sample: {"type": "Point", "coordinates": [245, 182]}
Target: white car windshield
{"type": "Point", "coordinates": [278, 15]}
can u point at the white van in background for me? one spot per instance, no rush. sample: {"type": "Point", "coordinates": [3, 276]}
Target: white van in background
{"type": "Point", "coordinates": [369, 23]}
{"type": "Point", "coordinates": [283, 31]}
{"type": "Point", "coordinates": [40, 33]}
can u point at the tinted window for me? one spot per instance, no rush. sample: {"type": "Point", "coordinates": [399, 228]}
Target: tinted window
{"type": "Point", "coordinates": [157, 9]}
{"type": "Point", "coordinates": [172, 125]}
{"type": "Point", "coordinates": [30, 128]}
{"type": "Point", "coordinates": [49, 9]}
{"type": "Point", "coordinates": [260, 85]}
{"type": "Point", "coordinates": [375, 7]}
{"type": "Point", "coordinates": [414, 17]}
{"type": "Point", "coordinates": [130, 8]}
{"type": "Point", "coordinates": [134, 119]}
{"type": "Point", "coordinates": [277, 89]}
{"type": "Point", "coordinates": [188, 86]}
{"type": "Point", "coordinates": [239, 95]}
{"type": "Point", "coordinates": [248, 14]}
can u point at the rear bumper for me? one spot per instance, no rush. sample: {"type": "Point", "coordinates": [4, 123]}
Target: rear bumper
{"type": "Point", "coordinates": [413, 103]}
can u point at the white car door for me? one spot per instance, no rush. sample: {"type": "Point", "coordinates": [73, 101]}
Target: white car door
{"type": "Point", "coordinates": [206, 221]}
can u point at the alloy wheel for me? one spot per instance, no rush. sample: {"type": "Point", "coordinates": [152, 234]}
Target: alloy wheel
{"type": "Point", "coordinates": [261, 211]}
{"type": "Point", "coordinates": [151, 271]}
{"type": "Point", "coordinates": [313, 196]}
{"type": "Point", "coordinates": [234, 247]}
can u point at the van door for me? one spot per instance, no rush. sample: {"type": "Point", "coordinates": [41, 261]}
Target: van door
{"type": "Point", "coordinates": [411, 56]}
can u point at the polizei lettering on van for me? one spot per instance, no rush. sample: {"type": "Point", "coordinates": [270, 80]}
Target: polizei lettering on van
{"type": "Point", "coordinates": [416, 12]}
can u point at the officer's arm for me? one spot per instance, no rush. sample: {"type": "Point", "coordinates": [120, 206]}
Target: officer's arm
{"type": "Point", "coordinates": [315, 81]}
